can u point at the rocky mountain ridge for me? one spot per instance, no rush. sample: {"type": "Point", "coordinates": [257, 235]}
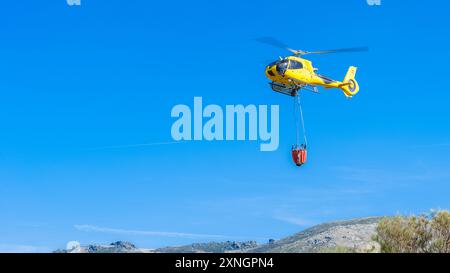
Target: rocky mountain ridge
{"type": "Point", "coordinates": [342, 236]}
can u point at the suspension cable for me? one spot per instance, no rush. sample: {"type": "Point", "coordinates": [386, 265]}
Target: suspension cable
{"type": "Point", "coordinates": [297, 131]}
{"type": "Point", "coordinates": [298, 102]}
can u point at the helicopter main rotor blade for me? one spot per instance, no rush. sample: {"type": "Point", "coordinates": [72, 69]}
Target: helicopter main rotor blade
{"type": "Point", "coordinates": [272, 41]}
{"type": "Point", "coordinates": [276, 43]}
{"type": "Point", "coordinates": [341, 50]}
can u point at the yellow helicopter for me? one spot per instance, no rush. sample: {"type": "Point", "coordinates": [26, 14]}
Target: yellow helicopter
{"type": "Point", "coordinates": [292, 73]}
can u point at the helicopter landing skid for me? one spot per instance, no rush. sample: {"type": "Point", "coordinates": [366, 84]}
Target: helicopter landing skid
{"type": "Point", "coordinates": [292, 90]}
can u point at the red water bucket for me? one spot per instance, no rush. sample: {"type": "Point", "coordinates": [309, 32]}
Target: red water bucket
{"type": "Point", "coordinates": [299, 156]}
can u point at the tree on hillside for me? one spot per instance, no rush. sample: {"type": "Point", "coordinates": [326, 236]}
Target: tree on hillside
{"type": "Point", "coordinates": [415, 234]}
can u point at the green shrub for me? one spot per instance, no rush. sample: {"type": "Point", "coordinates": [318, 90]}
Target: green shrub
{"type": "Point", "coordinates": [415, 234]}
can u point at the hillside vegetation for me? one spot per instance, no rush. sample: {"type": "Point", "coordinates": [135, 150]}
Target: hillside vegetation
{"type": "Point", "coordinates": [415, 234]}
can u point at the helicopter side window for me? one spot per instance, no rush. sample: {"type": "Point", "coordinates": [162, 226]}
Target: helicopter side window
{"type": "Point", "coordinates": [295, 65]}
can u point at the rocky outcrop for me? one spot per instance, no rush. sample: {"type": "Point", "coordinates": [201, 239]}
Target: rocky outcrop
{"type": "Point", "coordinates": [116, 247]}
{"type": "Point", "coordinates": [213, 247]}
{"type": "Point", "coordinates": [351, 236]}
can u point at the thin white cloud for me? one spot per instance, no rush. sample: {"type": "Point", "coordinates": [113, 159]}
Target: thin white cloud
{"type": "Point", "coordinates": [295, 220]}
{"type": "Point", "coordinates": [12, 248]}
{"type": "Point", "coordinates": [380, 176]}
{"type": "Point", "coordinates": [92, 228]}
{"type": "Point", "coordinates": [433, 145]}
{"type": "Point", "coordinates": [136, 145]}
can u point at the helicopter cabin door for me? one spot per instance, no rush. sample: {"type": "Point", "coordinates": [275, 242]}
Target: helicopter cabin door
{"type": "Point", "coordinates": [298, 70]}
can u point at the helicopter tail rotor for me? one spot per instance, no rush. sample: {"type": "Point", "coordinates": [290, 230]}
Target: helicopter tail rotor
{"type": "Point", "coordinates": [349, 84]}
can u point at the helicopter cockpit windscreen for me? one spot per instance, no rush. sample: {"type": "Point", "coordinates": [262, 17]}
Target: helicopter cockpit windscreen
{"type": "Point", "coordinates": [282, 66]}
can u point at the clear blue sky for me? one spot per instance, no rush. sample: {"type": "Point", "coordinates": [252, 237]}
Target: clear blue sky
{"type": "Point", "coordinates": [107, 73]}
